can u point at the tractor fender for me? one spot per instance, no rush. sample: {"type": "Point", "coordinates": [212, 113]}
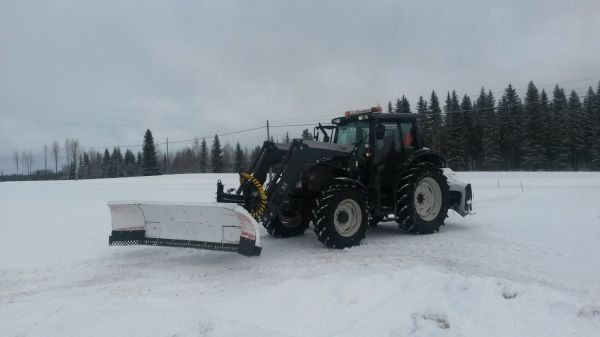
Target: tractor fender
{"type": "Point", "coordinates": [426, 156]}
{"type": "Point", "coordinates": [353, 182]}
{"type": "Point", "coordinates": [318, 175]}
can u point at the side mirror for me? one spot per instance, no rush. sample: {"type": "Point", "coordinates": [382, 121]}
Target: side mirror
{"type": "Point", "coordinates": [379, 131]}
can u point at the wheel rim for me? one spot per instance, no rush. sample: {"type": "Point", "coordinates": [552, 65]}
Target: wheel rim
{"type": "Point", "coordinates": [288, 218]}
{"type": "Point", "coordinates": [428, 199]}
{"type": "Point", "coordinates": [347, 217]}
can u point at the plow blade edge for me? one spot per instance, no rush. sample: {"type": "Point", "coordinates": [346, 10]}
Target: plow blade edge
{"type": "Point", "coordinates": [212, 226]}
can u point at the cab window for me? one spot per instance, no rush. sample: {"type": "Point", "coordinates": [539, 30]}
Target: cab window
{"type": "Point", "coordinates": [352, 133]}
{"type": "Point", "coordinates": [408, 135]}
{"type": "Point", "coordinates": [389, 143]}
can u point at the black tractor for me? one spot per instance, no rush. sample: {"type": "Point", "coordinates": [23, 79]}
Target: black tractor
{"type": "Point", "coordinates": [368, 167]}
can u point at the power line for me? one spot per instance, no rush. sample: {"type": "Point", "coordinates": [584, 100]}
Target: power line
{"type": "Point", "coordinates": [300, 121]}
{"type": "Point", "coordinates": [291, 125]}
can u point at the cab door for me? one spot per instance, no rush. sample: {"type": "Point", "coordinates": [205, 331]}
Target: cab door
{"type": "Point", "coordinates": [386, 152]}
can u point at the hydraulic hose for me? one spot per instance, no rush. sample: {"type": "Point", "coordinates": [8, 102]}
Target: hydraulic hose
{"type": "Point", "coordinates": [259, 209]}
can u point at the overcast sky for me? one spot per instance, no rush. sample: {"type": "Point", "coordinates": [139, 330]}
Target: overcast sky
{"type": "Point", "coordinates": [105, 71]}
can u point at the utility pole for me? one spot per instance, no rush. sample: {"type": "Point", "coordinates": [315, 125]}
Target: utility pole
{"type": "Point", "coordinates": [268, 135]}
{"type": "Point", "coordinates": [269, 139]}
{"type": "Point", "coordinates": [167, 155]}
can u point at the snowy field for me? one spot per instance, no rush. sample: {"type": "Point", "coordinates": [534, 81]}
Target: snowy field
{"type": "Point", "coordinates": [527, 264]}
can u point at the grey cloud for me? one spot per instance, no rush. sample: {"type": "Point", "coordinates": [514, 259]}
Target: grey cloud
{"type": "Point", "coordinates": [106, 71]}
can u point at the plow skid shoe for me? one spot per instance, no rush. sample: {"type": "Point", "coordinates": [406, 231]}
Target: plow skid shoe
{"type": "Point", "coordinates": [211, 226]}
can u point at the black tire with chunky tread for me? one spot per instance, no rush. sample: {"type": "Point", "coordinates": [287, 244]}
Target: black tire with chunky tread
{"type": "Point", "coordinates": [409, 218]}
{"type": "Point", "coordinates": [277, 229]}
{"type": "Point", "coordinates": [324, 212]}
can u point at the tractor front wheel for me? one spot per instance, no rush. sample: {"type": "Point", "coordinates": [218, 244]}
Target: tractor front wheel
{"type": "Point", "coordinates": [289, 222]}
{"type": "Point", "coordinates": [340, 217]}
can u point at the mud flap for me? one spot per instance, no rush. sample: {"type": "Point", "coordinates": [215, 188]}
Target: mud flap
{"type": "Point", "coordinates": [211, 226]}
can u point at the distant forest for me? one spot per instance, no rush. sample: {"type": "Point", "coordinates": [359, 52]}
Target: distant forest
{"type": "Point", "coordinates": [532, 133]}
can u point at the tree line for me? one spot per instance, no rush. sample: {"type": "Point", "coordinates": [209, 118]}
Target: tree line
{"type": "Point", "coordinates": [198, 158]}
{"type": "Point", "coordinates": [534, 133]}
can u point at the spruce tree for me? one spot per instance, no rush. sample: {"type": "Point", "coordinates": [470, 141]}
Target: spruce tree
{"type": "Point", "coordinates": [239, 158]}
{"type": "Point", "coordinates": [590, 125]}
{"type": "Point", "coordinates": [402, 105]}
{"type": "Point", "coordinates": [453, 137]}
{"type": "Point", "coordinates": [228, 158]}
{"type": "Point", "coordinates": [533, 136]}
{"type": "Point", "coordinates": [466, 107]}
{"type": "Point", "coordinates": [87, 166]}
{"type": "Point", "coordinates": [435, 120]}
{"type": "Point", "coordinates": [510, 125]}
{"type": "Point", "coordinates": [138, 163]}
{"type": "Point", "coordinates": [82, 168]}
{"type": "Point", "coordinates": [97, 173]}
{"type": "Point", "coordinates": [478, 125]}
{"type": "Point", "coordinates": [546, 132]}
{"type": "Point", "coordinates": [576, 132]}
{"type": "Point", "coordinates": [492, 154]}
{"type": "Point", "coordinates": [424, 121]}
{"type": "Point", "coordinates": [595, 151]}
{"type": "Point", "coordinates": [216, 154]}
{"type": "Point", "coordinates": [254, 155]}
{"type": "Point", "coordinates": [390, 108]}
{"type": "Point", "coordinates": [116, 160]}
{"type": "Point", "coordinates": [149, 159]}
{"type": "Point", "coordinates": [286, 139]}
{"type": "Point", "coordinates": [597, 107]}
{"type": "Point", "coordinates": [129, 163]}
{"type": "Point", "coordinates": [559, 130]}
{"type": "Point", "coordinates": [203, 161]}
{"type": "Point", "coordinates": [306, 135]}
{"type": "Point", "coordinates": [105, 164]}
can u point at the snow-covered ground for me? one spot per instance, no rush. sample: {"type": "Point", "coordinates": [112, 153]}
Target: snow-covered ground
{"type": "Point", "coordinates": [527, 264]}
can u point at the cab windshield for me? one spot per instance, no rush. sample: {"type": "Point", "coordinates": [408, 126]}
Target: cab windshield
{"type": "Point", "coordinates": [352, 133]}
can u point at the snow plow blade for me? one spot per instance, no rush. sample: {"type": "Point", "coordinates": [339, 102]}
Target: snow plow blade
{"type": "Point", "coordinates": [461, 194]}
{"type": "Point", "coordinates": [210, 226]}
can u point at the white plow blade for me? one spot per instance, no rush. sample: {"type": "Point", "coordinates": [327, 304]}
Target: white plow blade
{"type": "Point", "coordinates": [214, 226]}
{"type": "Point", "coordinates": [463, 204]}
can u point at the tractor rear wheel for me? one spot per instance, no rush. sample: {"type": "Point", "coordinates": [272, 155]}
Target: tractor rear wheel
{"type": "Point", "coordinates": [422, 199]}
{"type": "Point", "coordinates": [341, 216]}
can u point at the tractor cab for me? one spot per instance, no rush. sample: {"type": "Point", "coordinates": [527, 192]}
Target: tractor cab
{"type": "Point", "coordinates": [377, 135]}
{"type": "Point", "coordinates": [390, 131]}
{"type": "Point", "coordinates": [383, 144]}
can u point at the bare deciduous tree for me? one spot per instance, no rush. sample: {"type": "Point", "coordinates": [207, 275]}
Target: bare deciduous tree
{"type": "Point", "coordinates": [16, 157]}
{"type": "Point", "coordinates": [72, 151]}
{"type": "Point", "coordinates": [24, 162]}
{"type": "Point", "coordinates": [55, 152]}
{"type": "Point", "coordinates": [29, 162]}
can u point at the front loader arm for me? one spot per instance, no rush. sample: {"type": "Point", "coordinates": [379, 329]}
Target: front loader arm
{"type": "Point", "coordinates": [301, 156]}
{"type": "Point", "coordinates": [270, 155]}
{"type": "Point", "coordinates": [289, 160]}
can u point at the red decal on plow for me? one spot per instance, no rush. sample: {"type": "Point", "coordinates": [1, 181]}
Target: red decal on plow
{"type": "Point", "coordinates": [246, 227]}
